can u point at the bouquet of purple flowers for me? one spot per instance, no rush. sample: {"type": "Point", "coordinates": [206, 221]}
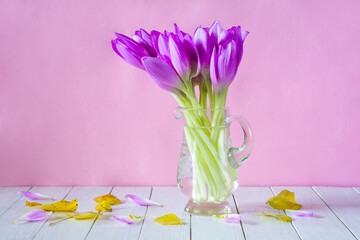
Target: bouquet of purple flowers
{"type": "Point", "coordinates": [178, 63]}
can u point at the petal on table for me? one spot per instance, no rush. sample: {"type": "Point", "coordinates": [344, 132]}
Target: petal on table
{"type": "Point", "coordinates": [229, 218]}
{"type": "Point", "coordinates": [142, 201]}
{"type": "Point", "coordinates": [301, 213]}
{"type": "Point", "coordinates": [34, 195]}
{"type": "Point", "coordinates": [128, 219]}
{"type": "Point", "coordinates": [34, 216]}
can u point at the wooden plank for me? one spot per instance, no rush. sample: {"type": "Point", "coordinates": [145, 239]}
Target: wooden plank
{"type": "Point", "coordinates": [107, 227]}
{"type": "Point", "coordinates": [345, 203]}
{"type": "Point", "coordinates": [324, 224]}
{"type": "Point", "coordinates": [207, 227]}
{"type": "Point", "coordinates": [251, 200]}
{"type": "Point", "coordinates": [9, 196]}
{"type": "Point", "coordinates": [10, 231]}
{"type": "Point", "coordinates": [357, 189]}
{"type": "Point", "coordinates": [174, 202]}
{"type": "Point", "coordinates": [74, 229]}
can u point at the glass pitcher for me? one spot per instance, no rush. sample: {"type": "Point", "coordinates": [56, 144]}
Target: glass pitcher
{"type": "Point", "coordinates": [207, 169]}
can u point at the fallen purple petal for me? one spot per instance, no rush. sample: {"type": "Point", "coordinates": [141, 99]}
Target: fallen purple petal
{"type": "Point", "coordinates": [301, 213]}
{"type": "Point", "coordinates": [142, 201]}
{"type": "Point", "coordinates": [233, 218]}
{"type": "Point", "coordinates": [35, 216]}
{"type": "Point", "coordinates": [229, 218]}
{"type": "Point", "coordinates": [128, 220]}
{"type": "Point", "coordinates": [34, 195]}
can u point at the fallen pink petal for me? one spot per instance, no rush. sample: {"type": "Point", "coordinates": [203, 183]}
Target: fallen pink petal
{"type": "Point", "coordinates": [34, 216]}
{"type": "Point", "coordinates": [229, 218]}
{"type": "Point", "coordinates": [301, 213]}
{"type": "Point", "coordinates": [142, 201]}
{"type": "Point", "coordinates": [128, 220]}
{"type": "Point", "coordinates": [35, 196]}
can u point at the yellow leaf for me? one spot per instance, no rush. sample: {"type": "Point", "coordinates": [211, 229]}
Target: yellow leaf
{"type": "Point", "coordinates": [60, 206]}
{"type": "Point", "coordinates": [32, 204]}
{"type": "Point", "coordinates": [108, 197]}
{"type": "Point", "coordinates": [103, 206]}
{"type": "Point", "coordinates": [68, 217]}
{"type": "Point", "coordinates": [169, 219]}
{"type": "Point", "coordinates": [71, 216]}
{"type": "Point", "coordinates": [86, 215]}
{"type": "Point", "coordinates": [280, 217]}
{"type": "Point", "coordinates": [284, 200]}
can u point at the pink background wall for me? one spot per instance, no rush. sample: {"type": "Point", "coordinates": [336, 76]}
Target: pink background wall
{"type": "Point", "coordinates": [73, 113]}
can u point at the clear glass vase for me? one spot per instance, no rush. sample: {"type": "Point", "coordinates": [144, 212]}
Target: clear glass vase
{"type": "Point", "coordinates": [207, 170]}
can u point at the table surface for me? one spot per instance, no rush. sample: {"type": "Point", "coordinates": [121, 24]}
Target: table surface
{"type": "Point", "coordinates": [336, 215]}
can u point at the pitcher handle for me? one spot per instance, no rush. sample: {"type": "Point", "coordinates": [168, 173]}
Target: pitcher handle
{"type": "Point", "coordinates": [237, 156]}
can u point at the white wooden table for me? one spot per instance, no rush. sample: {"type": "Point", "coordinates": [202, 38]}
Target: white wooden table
{"type": "Point", "coordinates": [336, 215]}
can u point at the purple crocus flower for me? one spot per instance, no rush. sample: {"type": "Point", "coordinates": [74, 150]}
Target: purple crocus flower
{"type": "Point", "coordinates": [236, 34]}
{"type": "Point", "coordinates": [178, 50]}
{"type": "Point", "coordinates": [226, 55]}
{"type": "Point", "coordinates": [223, 66]}
{"type": "Point", "coordinates": [145, 39]}
{"type": "Point", "coordinates": [179, 57]}
{"type": "Point", "coordinates": [193, 55]}
{"type": "Point", "coordinates": [132, 50]}
{"type": "Point", "coordinates": [204, 45]}
{"type": "Point", "coordinates": [191, 51]}
{"type": "Point", "coordinates": [162, 74]}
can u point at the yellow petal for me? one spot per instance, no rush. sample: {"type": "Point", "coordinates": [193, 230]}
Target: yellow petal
{"type": "Point", "coordinates": [103, 206]}
{"type": "Point", "coordinates": [60, 206]}
{"type": "Point", "coordinates": [32, 204]}
{"type": "Point", "coordinates": [284, 200]}
{"type": "Point", "coordinates": [169, 219]}
{"type": "Point", "coordinates": [86, 215]}
{"type": "Point", "coordinates": [108, 197]}
{"type": "Point", "coordinates": [280, 217]}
